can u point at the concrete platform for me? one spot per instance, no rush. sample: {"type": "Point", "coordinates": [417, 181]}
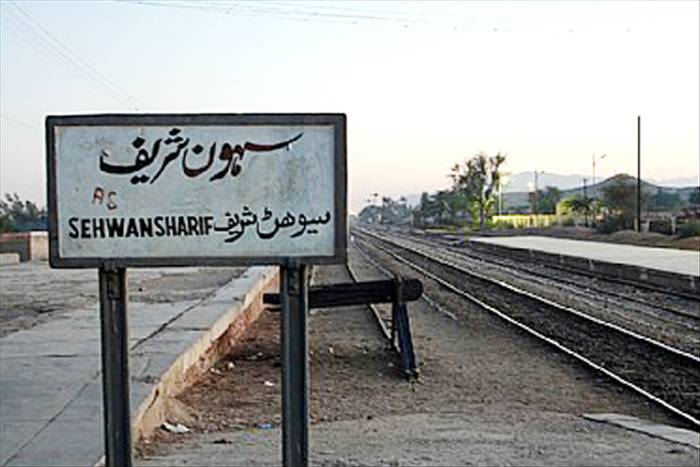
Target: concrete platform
{"type": "Point", "coordinates": [669, 433]}
{"type": "Point", "coordinates": [7, 259]}
{"type": "Point", "coordinates": [30, 246]}
{"type": "Point", "coordinates": [50, 380]}
{"type": "Point", "coordinates": [662, 267]}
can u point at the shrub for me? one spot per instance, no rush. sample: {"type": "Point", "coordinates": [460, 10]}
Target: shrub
{"type": "Point", "coordinates": [612, 224]}
{"type": "Point", "coordinates": [689, 229]}
{"type": "Point", "coordinates": [501, 225]}
{"type": "Point", "coordinates": [568, 222]}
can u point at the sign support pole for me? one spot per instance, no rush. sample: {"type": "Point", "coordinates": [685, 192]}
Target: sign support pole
{"type": "Point", "coordinates": [295, 365]}
{"type": "Point", "coordinates": [115, 367]}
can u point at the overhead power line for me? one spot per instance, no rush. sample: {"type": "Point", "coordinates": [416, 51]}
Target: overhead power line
{"type": "Point", "coordinates": [39, 38]}
{"type": "Point", "coordinates": [312, 12]}
{"type": "Point", "coordinates": [492, 17]}
{"type": "Point", "coordinates": [19, 122]}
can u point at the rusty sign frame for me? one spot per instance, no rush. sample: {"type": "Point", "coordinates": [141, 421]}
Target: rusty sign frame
{"type": "Point", "coordinates": [337, 120]}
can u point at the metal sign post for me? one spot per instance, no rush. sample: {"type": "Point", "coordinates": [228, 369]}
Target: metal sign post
{"type": "Point", "coordinates": [115, 366]}
{"type": "Point", "coordinates": [222, 190]}
{"type": "Point", "coordinates": [295, 365]}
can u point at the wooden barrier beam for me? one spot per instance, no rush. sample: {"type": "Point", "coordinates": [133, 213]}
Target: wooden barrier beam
{"type": "Point", "coordinates": [359, 293]}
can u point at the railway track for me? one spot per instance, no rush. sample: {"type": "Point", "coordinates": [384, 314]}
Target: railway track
{"type": "Point", "coordinates": [646, 312]}
{"type": "Point", "coordinates": [380, 320]}
{"type": "Point", "coordinates": [675, 304]}
{"type": "Point", "coordinates": [665, 375]}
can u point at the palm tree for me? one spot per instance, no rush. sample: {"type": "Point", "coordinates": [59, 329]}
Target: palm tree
{"type": "Point", "coordinates": [581, 206]}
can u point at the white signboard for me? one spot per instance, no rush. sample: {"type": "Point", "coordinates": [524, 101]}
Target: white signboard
{"type": "Point", "coordinates": [159, 190]}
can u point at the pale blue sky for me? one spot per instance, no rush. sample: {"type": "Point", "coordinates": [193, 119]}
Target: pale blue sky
{"type": "Point", "coordinates": [423, 84]}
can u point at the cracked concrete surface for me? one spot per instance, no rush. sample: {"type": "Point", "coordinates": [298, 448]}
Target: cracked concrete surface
{"type": "Point", "coordinates": [50, 380]}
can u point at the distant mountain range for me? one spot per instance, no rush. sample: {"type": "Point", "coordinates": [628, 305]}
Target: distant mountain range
{"type": "Point", "coordinates": [525, 181]}
{"type": "Point", "coordinates": [516, 192]}
{"type": "Point", "coordinates": [679, 182]}
{"type": "Point", "coordinates": [520, 198]}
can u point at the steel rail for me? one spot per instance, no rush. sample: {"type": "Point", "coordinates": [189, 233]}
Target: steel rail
{"type": "Point", "coordinates": [619, 280]}
{"type": "Point", "coordinates": [380, 322]}
{"type": "Point", "coordinates": [435, 305]}
{"type": "Point", "coordinates": [586, 361]}
{"type": "Point", "coordinates": [534, 296]}
{"type": "Point", "coordinates": [473, 254]}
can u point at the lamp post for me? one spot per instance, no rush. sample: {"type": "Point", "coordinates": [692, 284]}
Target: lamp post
{"type": "Point", "coordinates": [593, 187]}
{"type": "Point", "coordinates": [594, 161]}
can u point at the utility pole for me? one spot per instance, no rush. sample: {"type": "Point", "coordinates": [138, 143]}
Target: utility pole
{"type": "Point", "coordinates": [585, 200]}
{"type": "Point", "coordinates": [639, 173]}
{"type": "Point", "coordinates": [593, 188]}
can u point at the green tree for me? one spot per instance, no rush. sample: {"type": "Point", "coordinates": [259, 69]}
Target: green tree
{"type": "Point", "coordinates": [443, 207]}
{"type": "Point", "coordinates": [663, 201]}
{"type": "Point", "coordinates": [476, 180]}
{"type": "Point", "coordinates": [18, 216]}
{"type": "Point", "coordinates": [581, 206]}
{"type": "Point", "coordinates": [421, 212]}
{"type": "Point", "coordinates": [546, 199]}
{"type": "Point", "coordinates": [440, 206]}
{"type": "Point", "coordinates": [394, 212]}
{"type": "Point", "coordinates": [370, 214]}
{"type": "Point", "coordinates": [620, 197]}
{"type": "Point", "coordinates": [5, 223]}
{"type": "Point", "coordinates": [389, 212]}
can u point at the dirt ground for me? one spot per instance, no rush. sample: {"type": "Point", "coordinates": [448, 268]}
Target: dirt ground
{"type": "Point", "coordinates": [474, 366]}
{"type": "Point", "coordinates": [445, 439]}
